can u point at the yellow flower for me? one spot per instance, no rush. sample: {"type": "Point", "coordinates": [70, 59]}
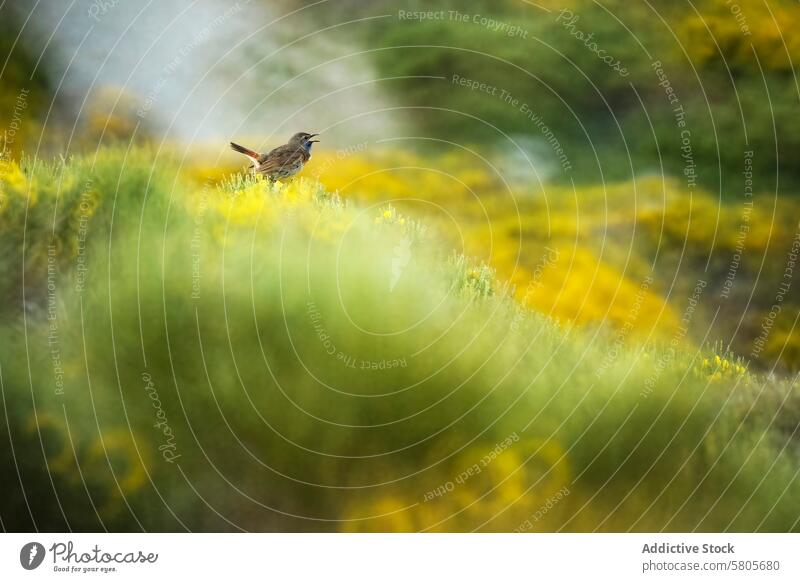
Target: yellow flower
{"type": "Point", "coordinates": [11, 174]}
{"type": "Point", "coordinates": [387, 214]}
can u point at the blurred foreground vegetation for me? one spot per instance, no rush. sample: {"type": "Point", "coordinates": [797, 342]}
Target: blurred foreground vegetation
{"type": "Point", "coordinates": [244, 356]}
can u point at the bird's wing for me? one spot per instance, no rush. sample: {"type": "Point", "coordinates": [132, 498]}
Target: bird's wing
{"type": "Point", "coordinates": [280, 157]}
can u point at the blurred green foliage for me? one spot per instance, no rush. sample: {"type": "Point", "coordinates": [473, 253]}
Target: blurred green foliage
{"type": "Point", "coordinates": [732, 77]}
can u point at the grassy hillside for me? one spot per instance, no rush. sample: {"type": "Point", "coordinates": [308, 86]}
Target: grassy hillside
{"type": "Point", "coordinates": [246, 356]}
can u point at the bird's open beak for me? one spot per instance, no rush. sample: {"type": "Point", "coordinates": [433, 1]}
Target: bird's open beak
{"type": "Point", "coordinates": [313, 140]}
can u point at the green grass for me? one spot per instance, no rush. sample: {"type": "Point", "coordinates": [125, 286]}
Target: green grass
{"type": "Point", "coordinates": [257, 368]}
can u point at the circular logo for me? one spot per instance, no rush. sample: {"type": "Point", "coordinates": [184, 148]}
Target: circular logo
{"type": "Point", "coordinates": [31, 555]}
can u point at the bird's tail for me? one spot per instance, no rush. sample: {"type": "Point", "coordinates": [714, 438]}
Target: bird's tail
{"type": "Point", "coordinates": [243, 150]}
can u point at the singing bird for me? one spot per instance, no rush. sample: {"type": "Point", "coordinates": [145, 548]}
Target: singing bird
{"type": "Point", "coordinates": [284, 161]}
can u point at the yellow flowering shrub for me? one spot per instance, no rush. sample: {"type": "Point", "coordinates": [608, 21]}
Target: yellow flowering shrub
{"type": "Point", "coordinates": [717, 367]}
{"type": "Point", "coordinates": [14, 185]}
{"type": "Point", "coordinates": [511, 230]}
{"type": "Point", "coordinates": [707, 225]}
{"type": "Point", "coordinates": [491, 488]}
{"type": "Point", "coordinates": [596, 231]}
{"type": "Point", "coordinates": [11, 176]}
{"type": "Point", "coordinates": [581, 289]}
{"type": "Point", "coordinates": [737, 29]}
{"type": "Point", "coordinates": [257, 202]}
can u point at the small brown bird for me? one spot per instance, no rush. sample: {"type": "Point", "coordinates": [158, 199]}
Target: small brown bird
{"type": "Point", "coordinates": [284, 161]}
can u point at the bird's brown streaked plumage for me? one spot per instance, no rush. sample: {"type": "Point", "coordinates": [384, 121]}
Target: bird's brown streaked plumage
{"type": "Point", "coordinates": [283, 161]}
